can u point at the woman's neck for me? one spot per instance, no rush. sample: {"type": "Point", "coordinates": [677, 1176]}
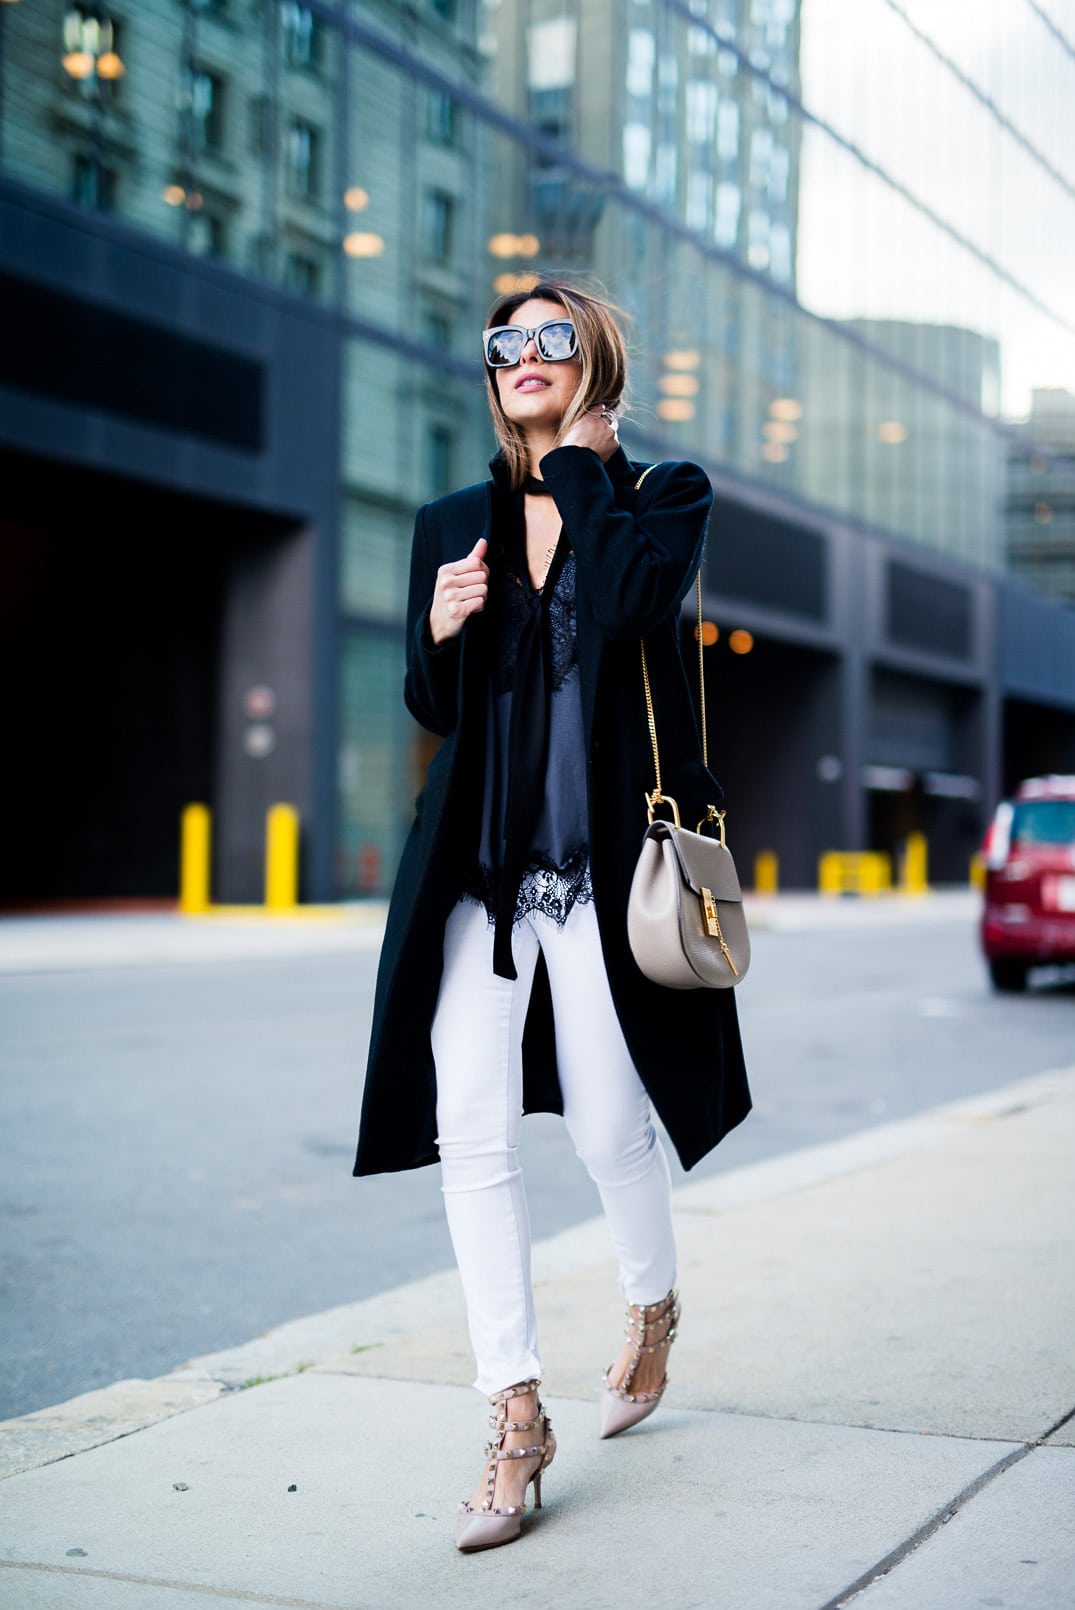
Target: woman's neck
{"type": "Point", "coordinates": [538, 443]}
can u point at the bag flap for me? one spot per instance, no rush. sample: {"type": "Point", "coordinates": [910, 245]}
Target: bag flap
{"type": "Point", "coordinates": [703, 862]}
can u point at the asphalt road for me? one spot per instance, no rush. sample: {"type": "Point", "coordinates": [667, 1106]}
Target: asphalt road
{"type": "Point", "coordinates": [177, 1140]}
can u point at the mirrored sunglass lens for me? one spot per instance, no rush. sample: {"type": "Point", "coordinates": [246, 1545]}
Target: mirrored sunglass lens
{"type": "Point", "coordinates": [504, 348]}
{"type": "Point", "coordinates": [557, 341]}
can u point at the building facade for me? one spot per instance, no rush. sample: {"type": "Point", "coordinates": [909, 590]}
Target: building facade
{"type": "Point", "coordinates": [246, 247]}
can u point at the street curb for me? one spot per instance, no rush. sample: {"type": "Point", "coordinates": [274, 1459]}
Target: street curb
{"type": "Point", "coordinates": [103, 1416]}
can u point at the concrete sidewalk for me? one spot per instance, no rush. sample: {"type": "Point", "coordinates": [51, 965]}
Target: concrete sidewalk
{"type": "Point", "coordinates": [872, 1394]}
{"type": "Point", "coordinates": [50, 944]}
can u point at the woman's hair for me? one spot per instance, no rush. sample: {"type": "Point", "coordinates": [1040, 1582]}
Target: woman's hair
{"type": "Point", "coordinates": [602, 361]}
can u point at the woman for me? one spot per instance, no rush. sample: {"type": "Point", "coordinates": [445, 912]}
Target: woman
{"type": "Point", "coordinates": [506, 983]}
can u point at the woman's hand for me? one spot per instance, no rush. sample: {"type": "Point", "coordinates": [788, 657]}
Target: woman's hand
{"type": "Point", "coordinates": [596, 429]}
{"type": "Point", "coordinates": [460, 591]}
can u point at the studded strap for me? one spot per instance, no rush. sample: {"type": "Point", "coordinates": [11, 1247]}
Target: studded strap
{"type": "Point", "coordinates": [495, 1452]}
{"type": "Point", "coordinates": [643, 1319]}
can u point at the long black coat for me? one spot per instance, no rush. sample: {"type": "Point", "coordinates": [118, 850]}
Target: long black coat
{"type": "Point", "coordinates": [636, 554]}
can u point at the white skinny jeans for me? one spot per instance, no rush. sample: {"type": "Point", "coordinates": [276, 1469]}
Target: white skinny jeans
{"type": "Point", "coordinates": [477, 1047]}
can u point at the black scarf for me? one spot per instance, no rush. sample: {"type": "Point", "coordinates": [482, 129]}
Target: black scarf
{"type": "Point", "coordinates": [528, 729]}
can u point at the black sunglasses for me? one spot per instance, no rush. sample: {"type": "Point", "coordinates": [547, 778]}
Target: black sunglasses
{"type": "Point", "coordinates": [556, 341]}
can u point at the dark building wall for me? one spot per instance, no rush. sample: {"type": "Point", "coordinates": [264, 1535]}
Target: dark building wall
{"type": "Point", "coordinates": [143, 370]}
{"type": "Point", "coordinates": [872, 702]}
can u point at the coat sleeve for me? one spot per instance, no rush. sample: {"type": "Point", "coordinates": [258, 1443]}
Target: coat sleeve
{"type": "Point", "coordinates": [431, 685]}
{"type": "Point", "coordinates": [635, 566]}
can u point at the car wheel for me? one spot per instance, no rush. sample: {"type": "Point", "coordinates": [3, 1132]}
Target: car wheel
{"type": "Point", "coordinates": [1008, 976]}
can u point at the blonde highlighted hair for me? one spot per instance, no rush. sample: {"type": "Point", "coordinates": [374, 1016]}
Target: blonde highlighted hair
{"type": "Point", "coordinates": [601, 358]}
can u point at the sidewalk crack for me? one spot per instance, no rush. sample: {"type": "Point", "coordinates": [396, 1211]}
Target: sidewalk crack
{"type": "Point", "coordinates": [232, 1595]}
{"type": "Point", "coordinates": [940, 1518]}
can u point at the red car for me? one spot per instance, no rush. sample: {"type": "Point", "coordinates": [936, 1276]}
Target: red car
{"type": "Point", "coordinates": [1029, 854]}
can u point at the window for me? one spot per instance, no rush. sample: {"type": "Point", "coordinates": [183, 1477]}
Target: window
{"type": "Point", "coordinates": [442, 117]}
{"type": "Point", "coordinates": [439, 444]}
{"type": "Point", "coordinates": [729, 202]}
{"type": "Point", "coordinates": [301, 35]}
{"type": "Point", "coordinates": [728, 131]}
{"type": "Point", "coordinates": [261, 124]}
{"type": "Point", "coordinates": [303, 161]}
{"type": "Point", "coordinates": [92, 185]}
{"type": "Point", "coordinates": [201, 108]}
{"type": "Point", "coordinates": [437, 329]}
{"type": "Point", "coordinates": [207, 235]}
{"type": "Point", "coordinates": [701, 111]}
{"type": "Point", "coordinates": [636, 151]}
{"type": "Point", "coordinates": [699, 200]}
{"type": "Point", "coordinates": [438, 217]}
{"type": "Point", "coordinates": [302, 273]}
{"type": "Point", "coordinates": [641, 55]}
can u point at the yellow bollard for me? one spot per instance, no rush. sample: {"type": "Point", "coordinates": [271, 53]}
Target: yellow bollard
{"type": "Point", "coordinates": [766, 872]}
{"type": "Point", "coordinates": [977, 871]}
{"type": "Point", "coordinates": [194, 846]}
{"type": "Point", "coordinates": [282, 858]}
{"type": "Point", "coordinates": [915, 865]}
{"type": "Point", "coordinates": [829, 878]}
{"type": "Point", "coordinates": [867, 872]}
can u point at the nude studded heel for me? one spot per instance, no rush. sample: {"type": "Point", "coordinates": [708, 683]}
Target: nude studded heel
{"type": "Point", "coordinates": [489, 1527]}
{"type": "Point", "coordinates": [619, 1407]}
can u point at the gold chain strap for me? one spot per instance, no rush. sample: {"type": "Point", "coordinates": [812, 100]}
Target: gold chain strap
{"type": "Point", "coordinates": [649, 692]}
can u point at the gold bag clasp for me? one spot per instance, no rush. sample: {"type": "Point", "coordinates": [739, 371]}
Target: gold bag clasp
{"type": "Point", "coordinates": [712, 926]}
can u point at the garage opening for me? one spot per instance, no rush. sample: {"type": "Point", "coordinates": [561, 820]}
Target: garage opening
{"type": "Point", "coordinates": [112, 600]}
{"type": "Point", "coordinates": [774, 743]}
{"type": "Point", "coordinates": [923, 770]}
{"type": "Point", "coordinates": [1038, 738]}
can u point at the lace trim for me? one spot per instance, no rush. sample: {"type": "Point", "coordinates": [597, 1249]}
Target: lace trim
{"type": "Point", "coordinates": [562, 625]}
{"type": "Point", "coordinates": [546, 888]}
{"type": "Point", "coordinates": [517, 607]}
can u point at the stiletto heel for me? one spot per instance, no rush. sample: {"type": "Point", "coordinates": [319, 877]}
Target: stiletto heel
{"type": "Point", "coordinates": [489, 1527]}
{"type": "Point", "coordinates": [619, 1407]}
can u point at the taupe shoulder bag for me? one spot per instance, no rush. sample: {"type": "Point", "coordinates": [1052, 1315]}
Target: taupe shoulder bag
{"type": "Point", "coordinates": [685, 920]}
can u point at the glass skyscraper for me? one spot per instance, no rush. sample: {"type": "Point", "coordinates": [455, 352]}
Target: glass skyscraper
{"type": "Point", "coordinates": [246, 248]}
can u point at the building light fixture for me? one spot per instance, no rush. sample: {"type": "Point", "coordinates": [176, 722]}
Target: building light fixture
{"type": "Point", "coordinates": [786, 408]}
{"type": "Point", "coordinates": [892, 432]}
{"type": "Point", "coordinates": [774, 452]}
{"type": "Point", "coordinates": [355, 199]}
{"type": "Point", "coordinates": [685, 358]}
{"type": "Point", "coordinates": [174, 195]}
{"type": "Point", "coordinates": [740, 641]}
{"type": "Point", "coordinates": [680, 385]}
{"type": "Point", "coordinates": [675, 409]}
{"type": "Point", "coordinates": [887, 779]}
{"type": "Point", "coordinates": [363, 243]}
{"type": "Point", "coordinates": [508, 284]}
{"type": "Point", "coordinates": [779, 430]}
{"type": "Point", "coordinates": [78, 64]}
{"type": "Point", "coordinates": [710, 633]}
{"type": "Point", "coordinates": [89, 47]}
{"type": "Point", "coordinates": [506, 245]}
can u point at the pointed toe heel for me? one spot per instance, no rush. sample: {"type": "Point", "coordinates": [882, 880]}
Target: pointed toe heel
{"type": "Point", "coordinates": [489, 1526]}
{"type": "Point", "coordinates": [618, 1407]}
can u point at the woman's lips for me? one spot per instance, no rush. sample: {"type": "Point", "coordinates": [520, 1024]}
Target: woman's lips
{"type": "Point", "coordinates": [530, 383]}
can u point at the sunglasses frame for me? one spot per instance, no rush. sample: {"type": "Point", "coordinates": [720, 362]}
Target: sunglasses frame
{"type": "Point", "coordinates": [498, 329]}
